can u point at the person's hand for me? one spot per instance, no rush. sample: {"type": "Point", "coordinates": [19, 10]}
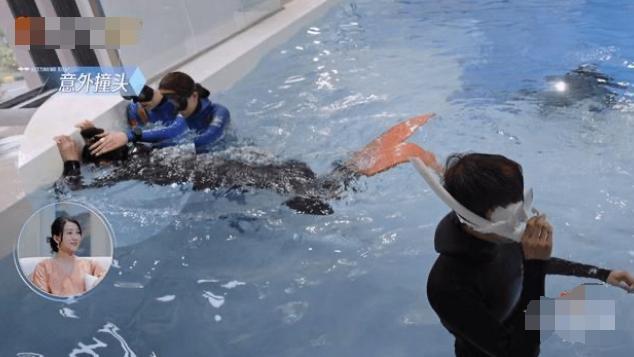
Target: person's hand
{"type": "Point", "coordinates": [107, 142]}
{"type": "Point", "coordinates": [84, 124]}
{"type": "Point", "coordinates": [67, 148]}
{"type": "Point", "coordinates": [621, 279]}
{"type": "Point", "coordinates": [537, 240]}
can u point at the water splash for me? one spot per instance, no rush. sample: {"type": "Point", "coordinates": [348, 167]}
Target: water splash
{"type": "Point", "coordinates": [68, 313]}
{"type": "Point", "coordinates": [215, 300]}
{"type": "Point", "coordinates": [232, 284]}
{"type": "Point", "coordinates": [293, 311]}
{"type": "Point", "coordinates": [166, 298]}
{"type": "Point", "coordinates": [113, 330]}
{"type": "Point", "coordinates": [87, 349]}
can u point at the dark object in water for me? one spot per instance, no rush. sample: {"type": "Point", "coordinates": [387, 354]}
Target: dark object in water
{"type": "Point", "coordinates": [582, 84]}
{"type": "Point", "coordinates": [309, 205]}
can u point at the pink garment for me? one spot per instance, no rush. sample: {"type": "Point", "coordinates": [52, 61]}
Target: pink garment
{"type": "Point", "coordinates": [50, 276]}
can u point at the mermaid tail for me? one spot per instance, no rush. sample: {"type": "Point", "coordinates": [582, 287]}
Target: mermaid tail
{"type": "Point", "coordinates": [390, 149]}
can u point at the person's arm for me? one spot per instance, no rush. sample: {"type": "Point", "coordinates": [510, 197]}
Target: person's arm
{"type": "Point", "coordinates": [533, 288]}
{"type": "Point", "coordinates": [96, 269]}
{"type": "Point", "coordinates": [133, 112]}
{"type": "Point", "coordinates": [178, 126]}
{"type": "Point", "coordinates": [619, 278]}
{"type": "Point", "coordinates": [537, 244]}
{"type": "Point", "coordinates": [558, 266]}
{"type": "Point", "coordinates": [534, 284]}
{"type": "Point", "coordinates": [71, 175]}
{"type": "Point", "coordinates": [536, 249]}
{"type": "Point", "coordinates": [215, 130]}
{"type": "Point", "coordinates": [39, 278]}
{"type": "Point", "coordinates": [72, 169]}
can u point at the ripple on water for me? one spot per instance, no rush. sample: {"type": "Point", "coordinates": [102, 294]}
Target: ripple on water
{"type": "Point", "coordinates": [293, 311]}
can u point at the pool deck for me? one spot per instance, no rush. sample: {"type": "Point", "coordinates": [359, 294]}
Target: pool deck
{"type": "Point", "coordinates": [38, 163]}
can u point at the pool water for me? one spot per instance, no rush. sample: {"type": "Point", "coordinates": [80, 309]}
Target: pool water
{"type": "Point", "coordinates": [227, 273]}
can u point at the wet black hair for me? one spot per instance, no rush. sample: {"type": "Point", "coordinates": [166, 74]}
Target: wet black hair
{"type": "Point", "coordinates": [90, 137]}
{"type": "Point", "coordinates": [57, 229]}
{"type": "Point", "coordinates": [202, 91]}
{"type": "Point", "coordinates": [145, 96]}
{"type": "Point", "coordinates": [90, 132]}
{"type": "Point", "coordinates": [183, 86]}
{"type": "Point", "coordinates": [482, 182]}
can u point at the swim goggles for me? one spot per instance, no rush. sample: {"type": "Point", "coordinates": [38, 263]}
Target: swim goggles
{"type": "Point", "coordinates": [508, 222]}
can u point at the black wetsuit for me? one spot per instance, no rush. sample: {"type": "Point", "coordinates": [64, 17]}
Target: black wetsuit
{"type": "Point", "coordinates": [480, 291]}
{"type": "Point", "coordinates": [309, 191]}
{"type": "Point", "coordinates": [581, 84]}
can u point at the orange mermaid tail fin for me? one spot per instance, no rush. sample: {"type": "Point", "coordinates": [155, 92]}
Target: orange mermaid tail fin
{"type": "Point", "coordinates": [390, 149]}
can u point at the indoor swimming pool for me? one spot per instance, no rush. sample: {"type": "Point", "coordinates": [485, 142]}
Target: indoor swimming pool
{"type": "Point", "coordinates": [237, 273]}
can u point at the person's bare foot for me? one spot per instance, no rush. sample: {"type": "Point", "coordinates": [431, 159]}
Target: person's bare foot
{"type": "Point", "coordinates": [67, 148]}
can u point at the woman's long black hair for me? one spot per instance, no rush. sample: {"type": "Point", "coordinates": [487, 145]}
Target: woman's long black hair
{"type": "Point", "coordinates": [57, 229]}
{"type": "Point", "coordinates": [183, 85]}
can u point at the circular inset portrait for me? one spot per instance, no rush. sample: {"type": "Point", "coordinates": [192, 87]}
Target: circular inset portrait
{"type": "Point", "coordinates": [64, 250]}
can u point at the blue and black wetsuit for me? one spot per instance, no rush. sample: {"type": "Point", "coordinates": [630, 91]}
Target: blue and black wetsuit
{"type": "Point", "coordinates": [209, 120]}
{"type": "Point", "coordinates": [164, 113]}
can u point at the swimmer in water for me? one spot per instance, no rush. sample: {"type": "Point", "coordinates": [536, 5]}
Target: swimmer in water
{"type": "Point", "coordinates": [582, 84]}
{"type": "Point", "coordinates": [169, 116]}
{"type": "Point", "coordinates": [479, 286]}
{"type": "Point", "coordinates": [309, 192]}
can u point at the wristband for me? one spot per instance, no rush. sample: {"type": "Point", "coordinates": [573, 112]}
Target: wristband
{"type": "Point", "coordinates": [137, 134]}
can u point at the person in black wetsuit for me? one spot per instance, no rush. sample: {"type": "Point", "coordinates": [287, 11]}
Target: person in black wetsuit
{"type": "Point", "coordinates": [308, 191]}
{"type": "Point", "coordinates": [481, 284]}
{"type": "Point", "coordinates": [585, 82]}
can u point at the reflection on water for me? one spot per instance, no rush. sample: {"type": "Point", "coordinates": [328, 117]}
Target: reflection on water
{"type": "Point", "coordinates": [89, 349]}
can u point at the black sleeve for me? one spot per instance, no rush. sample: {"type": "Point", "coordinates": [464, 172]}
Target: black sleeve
{"type": "Point", "coordinates": [465, 314]}
{"type": "Point", "coordinates": [534, 284]}
{"type": "Point", "coordinates": [71, 177]}
{"type": "Point", "coordinates": [557, 266]}
{"type": "Point", "coordinates": [72, 168]}
{"type": "Point", "coordinates": [533, 288]}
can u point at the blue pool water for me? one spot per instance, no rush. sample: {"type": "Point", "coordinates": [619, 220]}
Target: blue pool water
{"type": "Point", "coordinates": [238, 274]}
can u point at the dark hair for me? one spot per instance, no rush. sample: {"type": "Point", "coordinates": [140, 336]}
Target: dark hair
{"type": "Point", "coordinates": [183, 85]}
{"type": "Point", "coordinates": [57, 229]}
{"type": "Point", "coordinates": [89, 135]}
{"type": "Point", "coordinates": [481, 182]}
{"type": "Point", "coordinates": [202, 91]}
{"type": "Point", "coordinates": [90, 132]}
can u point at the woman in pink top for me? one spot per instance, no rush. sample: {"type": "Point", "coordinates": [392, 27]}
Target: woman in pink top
{"type": "Point", "coordinates": [65, 273]}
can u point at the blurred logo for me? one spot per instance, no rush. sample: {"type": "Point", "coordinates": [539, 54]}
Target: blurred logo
{"type": "Point", "coordinates": [76, 32]}
{"type": "Point", "coordinates": [573, 314]}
